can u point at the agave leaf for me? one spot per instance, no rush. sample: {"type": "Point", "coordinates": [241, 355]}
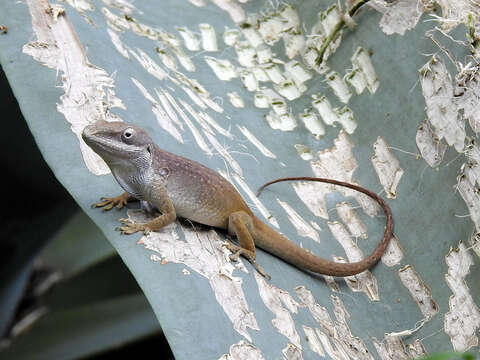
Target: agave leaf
{"type": "Point", "coordinates": [106, 280]}
{"type": "Point", "coordinates": [32, 212]}
{"type": "Point", "coordinates": [77, 246]}
{"type": "Point", "coordinates": [86, 330]}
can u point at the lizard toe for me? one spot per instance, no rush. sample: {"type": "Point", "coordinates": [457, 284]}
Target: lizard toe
{"type": "Point", "coordinates": [125, 230]}
{"type": "Point", "coordinates": [130, 227]}
{"type": "Point", "coordinates": [235, 249]}
{"type": "Point", "coordinates": [107, 207]}
{"type": "Point", "coordinates": [121, 204]}
{"type": "Point", "coordinates": [126, 221]}
{"type": "Point", "coordinates": [108, 203]}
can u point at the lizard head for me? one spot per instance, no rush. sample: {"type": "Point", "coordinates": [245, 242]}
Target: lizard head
{"type": "Point", "coordinates": [117, 142]}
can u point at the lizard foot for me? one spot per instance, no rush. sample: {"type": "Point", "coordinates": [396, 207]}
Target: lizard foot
{"type": "Point", "coordinates": [238, 251]}
{"type": "Point", "coordinates": [131, 227]}
{"type": "Point", "coordinates": [107, 203]}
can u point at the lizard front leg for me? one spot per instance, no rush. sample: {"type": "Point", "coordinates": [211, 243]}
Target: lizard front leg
{"type": "Point", "coordinates": [159, 198]}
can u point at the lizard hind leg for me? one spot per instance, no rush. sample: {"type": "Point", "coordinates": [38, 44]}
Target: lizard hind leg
{"type": "Point", "coordinates": [241, 224]}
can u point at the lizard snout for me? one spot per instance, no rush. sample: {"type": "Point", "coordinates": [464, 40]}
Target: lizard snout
{"type": "Point", "coordinates": [88, 130]}
{"type": "Point", "coordinates": [91, 130]}
{"type": "Point", "coordinates": [88, 133]}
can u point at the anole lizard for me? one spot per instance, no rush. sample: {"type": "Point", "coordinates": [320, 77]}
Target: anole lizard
{"type": "Point", "coordinates": [179, 187]}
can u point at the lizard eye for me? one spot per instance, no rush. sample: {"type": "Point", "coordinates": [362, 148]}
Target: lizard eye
{"type": "Point", "coordinates": [128, 133]}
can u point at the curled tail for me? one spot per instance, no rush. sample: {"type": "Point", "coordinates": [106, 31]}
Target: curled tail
{"type": "Point", "coordinates": [271, 241]}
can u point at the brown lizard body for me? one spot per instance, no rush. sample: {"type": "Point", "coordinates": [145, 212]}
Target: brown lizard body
{"type": "Point", "coordinates": [179, 187]}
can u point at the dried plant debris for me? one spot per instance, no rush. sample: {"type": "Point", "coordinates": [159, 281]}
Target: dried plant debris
{"type": "Point", "coordinates": [437, 88]}
{"type": "Point", "coordinates": [462, 321]}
